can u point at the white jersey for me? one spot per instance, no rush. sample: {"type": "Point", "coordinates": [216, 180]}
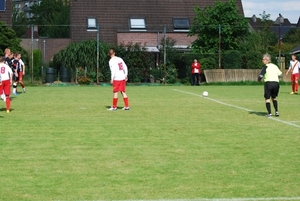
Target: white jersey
{"type": "Point", "coordinates": [5, 72]}
{"type": "Point", "coordinates": [295, 63]}
{"type": "Point", "coordinates": [21, 64]}
{"type": "Point", "coordinates": [118, 68]}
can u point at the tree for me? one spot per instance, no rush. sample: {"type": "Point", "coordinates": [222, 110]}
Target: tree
{"type": "Point", "coordinates": [53, 18]}
{"type": "Point", "coordinates": [292, 36]}
{"type": "Point", "coordinates": [267, 35]}
{"type": "Point", "coordinates": [206, 24]}
{"type": "Point", "coordinates": [19, 22]}
{"type": "Point", "coordinates": [9, 39]}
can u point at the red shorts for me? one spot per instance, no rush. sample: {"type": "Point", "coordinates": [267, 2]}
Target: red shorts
{"type": "Point", "coordinates": [20, 74]}
{"type": "Point", "coordinates": [295, 77]}
{"type": "Point", "coordinates": [119, 86]}
{"type": "Point", "coordinates": [5, 87]}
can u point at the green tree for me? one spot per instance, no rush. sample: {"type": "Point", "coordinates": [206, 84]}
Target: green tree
{"type": "Point", "coordinates": [9, 39]}
{"type": "Point", "coordinates": [53, 18]}
{"type": "Point", "coordinates": [19, 22]}
{"type": "Point", "coordinates": [268, 37]}
{"type": "Point", "coordinates": [292, 36]}
{"type": "Point", "coordinates": [223, 17]}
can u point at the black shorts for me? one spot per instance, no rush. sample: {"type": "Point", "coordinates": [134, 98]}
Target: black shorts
{"type": "Point", "coordinates": [271, 90]}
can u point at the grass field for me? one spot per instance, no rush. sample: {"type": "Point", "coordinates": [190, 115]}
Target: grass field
{"type": "Point", "coordinates": [60, 143]}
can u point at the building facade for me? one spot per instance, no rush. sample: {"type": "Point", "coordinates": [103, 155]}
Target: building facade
{"type": "Point", "coordinates": [6, 12]}
{"type": "Point", "coordinates": [135, 21]}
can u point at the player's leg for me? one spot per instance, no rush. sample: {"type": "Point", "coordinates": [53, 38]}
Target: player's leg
{"type": "Point", "coordinates": [293, 83]}
{"type": "Point", "coordinates": [115, 95]}
{"type": "Point", "coordinates": [267, 96]}
{"type": "Point", "coordinates": [125, 97]}
{"type": "Point", "coordinates": [3, 97]}
{"type": "Point", "coordinates": [15, 84]}
{"type": "Point", "coordinates": [21, 81]}
{"type": "Point", "coordinates": [296, 77]}
{"type": "Point", "coordinates": [275, 91]}
{"type": "Point", "coordinates": [6, 88]}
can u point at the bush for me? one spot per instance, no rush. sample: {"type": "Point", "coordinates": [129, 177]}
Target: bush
{"type": "Point", "coordinates": [208, 63]}
{"type": "Point", "coordinates": [232, 59]}
{"type": "Point", "coordinates": [252, 60]}
{"type": "Point", "coordinates": [172, 74]}
{"type": "Point", "coordinates": [157, 73]}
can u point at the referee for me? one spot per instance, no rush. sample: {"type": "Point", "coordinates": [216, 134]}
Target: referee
{"type": "Point", "coordinates": [270, 73]}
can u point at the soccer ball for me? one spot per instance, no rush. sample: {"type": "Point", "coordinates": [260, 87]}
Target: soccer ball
{"type": "Point", "coordinates": [205, 94]}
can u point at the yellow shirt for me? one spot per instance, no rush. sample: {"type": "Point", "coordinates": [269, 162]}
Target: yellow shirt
{"type": "Point", "coordinates": [271, 73]}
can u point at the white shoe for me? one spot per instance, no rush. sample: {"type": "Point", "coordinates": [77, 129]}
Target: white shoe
{"type": "Point", "coordinates": [112, 109]}
{"type": "Point", "coordinates": [125, 108]}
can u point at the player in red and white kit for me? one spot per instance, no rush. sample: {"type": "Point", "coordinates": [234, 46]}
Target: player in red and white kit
{"type": "Point", "coordinates": [19, 67]}
{"type": "Point", "coordinates": [119, 78]}
{"type": "Point", "coordinates": [294, 68]}
{"type": "Point", "coordinates": [6, 81]}
{"type": "Point", "coordinates": [8, 61]}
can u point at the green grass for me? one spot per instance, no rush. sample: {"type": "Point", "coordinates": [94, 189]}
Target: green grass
{"type": "Point", "coordinates": [60, 143]}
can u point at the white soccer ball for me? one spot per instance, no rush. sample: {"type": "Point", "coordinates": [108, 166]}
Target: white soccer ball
{"type": "Point", "coordinates": [205, 94]}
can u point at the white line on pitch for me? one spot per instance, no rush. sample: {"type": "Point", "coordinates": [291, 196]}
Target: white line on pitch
{"type": "Point", "coordinates": [228, 199]}
{"type": "Point", "coordinates": [238, 107]}
{"type": "Point", "coordinates": [221, 199]}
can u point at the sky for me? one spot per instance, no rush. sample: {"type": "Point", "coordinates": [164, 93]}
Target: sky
{"type": "Point", "coordinates": [289, 9]}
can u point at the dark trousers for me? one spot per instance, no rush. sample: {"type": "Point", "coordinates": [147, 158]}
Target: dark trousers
{"type": "Point", "coordinates": [195, 79]}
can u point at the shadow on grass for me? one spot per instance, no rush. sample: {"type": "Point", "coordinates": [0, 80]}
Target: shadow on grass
{"type": "Point", "coordinates": [258, 113]}
{"type": "Point", "coordinates": [119, 108]}
{"type": "Point", "coordinates": [4, 109]}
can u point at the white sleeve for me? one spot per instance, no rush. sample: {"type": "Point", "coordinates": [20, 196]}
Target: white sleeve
{"type": "Point", "coordinates": [112, 71]}
{"type": "Point", "coordinates": [21, 62]}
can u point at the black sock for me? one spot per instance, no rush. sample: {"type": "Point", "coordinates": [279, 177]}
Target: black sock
{"type": "Point", "coordinates": [275, 104]}
{"type": "Point", "coordinates": [268, 106]}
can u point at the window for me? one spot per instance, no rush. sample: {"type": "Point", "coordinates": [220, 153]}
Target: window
{"type": "Point", "coordinates": [18, 6]}
{"type": "Point", "coordinates": [2, 5]}
{"type": "Point", "coordinates": [181, 23]}
{"type": "Point", "coordinates": [91, 24]}
{"type": "Point", "coordinates": [137, 23]}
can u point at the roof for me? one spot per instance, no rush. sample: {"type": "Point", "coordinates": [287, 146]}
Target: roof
{"type": "Point", "coordinates": [296, 50]}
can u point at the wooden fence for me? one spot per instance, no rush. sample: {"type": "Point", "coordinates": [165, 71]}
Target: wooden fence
{"type": "Point", "coordinates": [235, 75]}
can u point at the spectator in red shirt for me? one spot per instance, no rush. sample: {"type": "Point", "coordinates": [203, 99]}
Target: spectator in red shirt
{"type": "Point", "coordinates": [196, 70]}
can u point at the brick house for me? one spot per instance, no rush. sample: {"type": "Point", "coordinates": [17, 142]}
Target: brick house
{"type": "Point", "coordinates": [6, 11]}
{"type": "Point", "coordinates": [139, 21]}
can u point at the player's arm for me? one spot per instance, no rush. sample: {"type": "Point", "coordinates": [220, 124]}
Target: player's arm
{"type": "Point", "coordinates": [112, 72]}
{"type": "Point", "coordinates": [24, 69]}
{"type": "Point", "coordinates": [125, 69]}
{"type": "Point", "coordinates": [262, 73]}
{"type": "Point", "coordinates": [287, 72]}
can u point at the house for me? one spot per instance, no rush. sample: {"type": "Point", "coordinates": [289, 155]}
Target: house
{"type": "Point", "coordinates": [6, 11]}
{"type": "Point", "coordinates": [136, 21]}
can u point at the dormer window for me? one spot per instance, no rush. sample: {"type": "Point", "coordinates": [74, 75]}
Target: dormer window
{"type": "Point", "coordinates": [181, 23]}
{"type": "Point", "coordinates": [91, 24]}
{"type": "Point", "coordinates": [137, 23]}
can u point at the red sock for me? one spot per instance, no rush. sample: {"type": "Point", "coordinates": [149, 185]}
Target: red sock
{"type": "Point", "coordinates": [22, 84]}
{"type": "Point", "coordinates": [126, 102]}
{"type": "Point", "coordinates": [7, 103]}
{"type": "Point", "coordinates": [115, 102]}
{"type": "Point", "coordinates": [293, 87]}
{"type": "Point", "coordinates": [296, 86]}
